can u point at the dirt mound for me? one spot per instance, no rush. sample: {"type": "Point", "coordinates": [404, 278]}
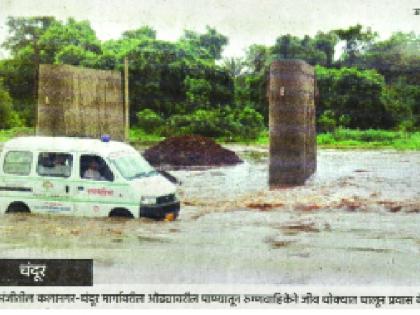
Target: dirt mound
{"type": "Point", "coordinates": [190, 151]}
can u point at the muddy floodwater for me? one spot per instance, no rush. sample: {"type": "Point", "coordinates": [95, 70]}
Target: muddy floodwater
{"type": "Point", "coordinates": [357, 221]}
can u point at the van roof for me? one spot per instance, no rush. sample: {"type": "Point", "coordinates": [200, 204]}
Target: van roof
{"type": "Point", "coordinates": [66, 144]}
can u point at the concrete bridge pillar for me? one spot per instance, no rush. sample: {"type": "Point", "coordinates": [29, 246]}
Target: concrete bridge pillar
{"type": "Point", "coordinates": [291, 123]}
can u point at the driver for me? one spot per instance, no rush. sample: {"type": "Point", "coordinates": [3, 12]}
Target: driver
{"type": "Point", "coordinates": [92, 171]}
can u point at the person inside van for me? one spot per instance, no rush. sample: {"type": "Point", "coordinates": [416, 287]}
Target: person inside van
{"type": "Point", "coordinates": [92, 172]}
{"type": "Point", "coordinates": [54, 164]}
{"type": "Point", "coordinates": [61, 166]}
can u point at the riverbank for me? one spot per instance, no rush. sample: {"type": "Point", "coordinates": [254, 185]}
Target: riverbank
{"type": "Point", "coordinates": [339, 139]}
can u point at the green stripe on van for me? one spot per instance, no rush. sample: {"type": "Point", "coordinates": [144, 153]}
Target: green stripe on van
{"type": "Point", "coordinates": [75, 200]}
{"type": "Point", "coordinates": [68, 181]}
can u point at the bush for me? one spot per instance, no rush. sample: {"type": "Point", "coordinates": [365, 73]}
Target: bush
{"type": "Point", "coordinates": [177, 125]}
{"type": "Point", "coordinates": [201, 122]}
{"type": "Point", "coordinates": [149, 121]}
{"type": "Point", "coordinates": [327, 121]}
{"type": "Point", "coordinates": [206, 123]}
{"type": "Point", "coordinates": [252, 123]}
{"type": "Point", "coordinates": [16, 119]}
{"type": "Point", "coordinates": [407, 125]}
{"type": "Point", "coordinates": [221, 122]}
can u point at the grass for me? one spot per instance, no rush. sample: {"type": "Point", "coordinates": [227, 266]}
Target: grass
{"type": "Point", "coordinates": [339, 139]}
{"type": "Point", "coordinates": [359, 139]}
{"type": "Point", "coordinates": [15, 132]}
{"type": "Point", "coordinates": [369, 139]}
{"type": "Point", "coordinates": [139, 137]}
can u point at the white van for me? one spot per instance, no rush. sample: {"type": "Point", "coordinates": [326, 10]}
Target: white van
{"type": "Point", "coordinates": [86, 177]}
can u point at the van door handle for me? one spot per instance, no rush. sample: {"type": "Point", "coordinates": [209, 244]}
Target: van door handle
{"type": "Point", "coordinates": [80, 188]}
{"type": "Point", "coordinates": [67, 189]}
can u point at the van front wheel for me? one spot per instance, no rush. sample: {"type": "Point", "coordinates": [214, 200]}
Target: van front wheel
{"type": "Point", "coordinates": [15, 207]}
{"type": "Point", "coordinates": [121, 212]}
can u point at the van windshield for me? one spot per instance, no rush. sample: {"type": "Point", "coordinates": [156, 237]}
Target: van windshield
{"type": "Point", "coordinates": [132, 166]}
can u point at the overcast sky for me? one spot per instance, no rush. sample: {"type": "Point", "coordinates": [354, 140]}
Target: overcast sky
{"type": "Point", "coordinates": [245, 22]}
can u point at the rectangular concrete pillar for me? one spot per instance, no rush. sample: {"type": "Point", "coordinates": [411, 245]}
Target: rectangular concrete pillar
{"type": "Point", "coordinates": [291, 123]}
{"type": "Point", "coordinates": [80, 102]}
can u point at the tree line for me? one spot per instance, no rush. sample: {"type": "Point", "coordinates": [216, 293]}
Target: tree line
{"type": "Point", "coordinates": [186, 86]}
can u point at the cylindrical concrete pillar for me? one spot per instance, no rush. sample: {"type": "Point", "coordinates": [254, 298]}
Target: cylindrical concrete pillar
{"type": "Point", "coordinates": [291, 122]}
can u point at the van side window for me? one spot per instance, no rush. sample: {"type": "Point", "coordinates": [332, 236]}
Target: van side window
{"type": "Point", "coordinates": [54, 164]}
{"type": "Point", "coordinates": [18, 162]}
{"type": "Point", "coordinates": [94, 167]}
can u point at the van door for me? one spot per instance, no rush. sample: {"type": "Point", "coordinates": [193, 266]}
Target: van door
{"type": "Point", "coordinates": [15, 178]}
{"type": "Point", "coordinates": [53, 192]}
{"type": "Point", "coordinates": [96, 192]}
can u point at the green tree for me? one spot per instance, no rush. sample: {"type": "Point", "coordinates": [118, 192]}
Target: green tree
{"type": "Point", "coordinates": [76, 55]}
{"type": "Point", "coordinates": [214, 42]}
{"type": "Point", "coordinates": [326, 42]}
{"type": "Point", "coordinates": [395, 57]}
{"type": "Point", "coordinates": [234, 66]}
{"type": "Point", "coordinates": [287, 47]}
{"type": "Point", "coordinates": [37, 40]}
{"type": "Point", "coordinates": [144, 31]}
{"type": "Point", "coordinates": [356, 42]}
{"type": "Point", "coordinates": [402, 102]}
{"type": "Point", "coordinates": [6, 110]}
{"type": "Point", "coordinates": [308, 49]}
{"type": "Point", "coordinates": [26, 32]}
{"type": "Point", "coordinates": [208, 45]}
{"type": "Point", "coordinates": [169, 77]}
{"type": "Point", "coordinates": [197, 92]}
{"type": "Point", "coordinates": [251, 86]}
{"type": "Point", "coordinates": [357, 94]}
{"type": "Point", "coordinates": [257, 58]}
{"type": "Point", "coordinates": [59, 36]}
{"type": "Point", "coordinates": [21, 73]}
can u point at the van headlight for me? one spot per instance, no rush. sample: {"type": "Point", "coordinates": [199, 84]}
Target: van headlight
{"type": "Point", "coordinates": [147, 200]}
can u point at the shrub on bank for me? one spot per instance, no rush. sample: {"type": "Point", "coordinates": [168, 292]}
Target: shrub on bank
{"type": "Point", "coordinates": [148, 120]}
{"type": "Point", "coordinates": [245, 123]}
